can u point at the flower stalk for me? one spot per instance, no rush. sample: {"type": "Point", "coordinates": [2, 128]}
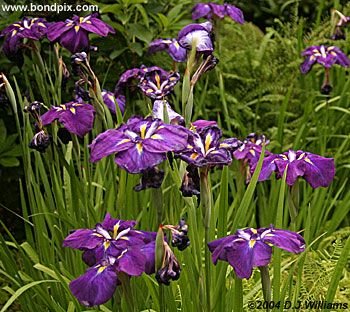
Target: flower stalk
{"type": "Point", "coordinates": [206, 204]}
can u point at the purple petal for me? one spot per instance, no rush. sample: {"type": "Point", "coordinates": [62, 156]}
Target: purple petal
{"type": "Point", "coordinates": [158, 111]}
{"type": "Point", "coordinates": [107, 143]}
{"type": "Point", "coordinates": [262, 254]}
{"type": "Point", "coordinates": [241, 258]}
{"type": "Point", "coordinates": [234, 13]}
{"type": "Point", "coordinates": [198, 34]}
{"type": "Point", "coordinates": [219, 247]}
{"type": "Point", "coordinates": [148, 251]}
{"type": "Point", "coordinates": [96, 286]}
{"type": "Point", "coordinates": [306, 66]}
{"type": "Point", "coordinates": [109, 223]}
{"type": "Point", "coordinates": [95, 25]}
{"type": "Point", "coordinates": [218, 9]}
{"type": "Point", "coordinates": [137, 159]}
{"type": "Point", "coordinates": [77, 118]}
{"type": "Point", "coordinates": [57, 29]}
{"type": "Point", "coordinates": [284, 239]}
{"type": "Point", "coordinates": [83, 239]}
{"type": "Point", "coordinates": [201, 10]}
{"type": "Point", "coordinates": [132, 262]}
{"type": "Point", "coordinates": [319, 171]}
{"type": "Point", "coordinates": [75, 41]}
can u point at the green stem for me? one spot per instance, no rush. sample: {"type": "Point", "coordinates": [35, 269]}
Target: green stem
{"type": "Point", "coordinates": [266, 284]}
{"type": "Point", "coordinates": [206, 211]}
{"type": "Point", "coordinates": [293, 204]}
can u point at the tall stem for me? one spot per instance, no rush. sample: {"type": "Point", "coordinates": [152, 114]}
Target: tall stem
{"type": "Point", "coordinates": [266, 284]}
{"type": "Point", "coordinates": [293, 204]}
{"type": "Point", "coordinates": [206, 211]}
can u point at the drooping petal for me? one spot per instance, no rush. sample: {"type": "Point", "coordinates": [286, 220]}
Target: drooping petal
{"type": "Point", "coordinates": [284, 239]}
{"type": "Point", "coordinates": [319, 171]}
{"type": "Point", "coordinates": [57, 29]}
{"type": "Point", "coordinates": [234, 13]}
{"type": "Point", "coordinates": [158, 112]}
{"type": "Point", "coordinates": [95, 25]}
{"type": "Point", "coordinates": [75, 41]}
{"type": "Point", "coordinates": [96, 286]}
{"type": "Point", "coordinates": [262, 254]}
{"type": "Point", "coordinates": [83, 239]}
{"type": "Point", "coordinates": [136, 159]}
{"type": "Point", "coordinates": [198, 35]}
{"type": "Point", "coordinates": [241, 257]}
{"type": "Point", "coordinates": [107, 143]}
{"type": "Point", "coordinates": [201, 10]}
{"type": "Point", "coordinates": [110, 223]}
{"type": "Point", "coordinates": [77, 118]}
{"type": "Point", "coordinates": [132, 262]}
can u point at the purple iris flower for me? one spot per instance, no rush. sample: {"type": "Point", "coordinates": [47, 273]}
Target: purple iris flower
{"type": "Point", "coordinates": [157, 83]}
{"type": "Point", "coordinates": [316, 170]}
{"type": "Point", "coordinates": [77, 118]}
{"type": "Point", "coordinates": [171, 46]}
{"type": "Point", "coordinates": [158, 112]}
{"type": "Point", "coordinates": [203, 148]}
{"type": "Point", "coordinates": [140, 144]}
{"type": "Point", "coordinates": [111, 248]}
{"type": "Point", "coordinates": [73, 34]}
{"type": "Point", "coordinates": [31, 28]}
{"type": "Point", "coordinates": [110, 100]}
{"type": "Point", "coordinates": [249, 150]}
{"type": "Point", "coordinates": [249, 248]}
{"type": "Point", "coordinates": [210, 10]}
{"type": "Point", "coordinates": [326, 56]}
{"type": "Point", "coordinates": [197, 35]}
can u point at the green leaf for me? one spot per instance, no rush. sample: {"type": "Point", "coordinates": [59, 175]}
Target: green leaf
{"type": "Point", "coordinates": [9, 162]}
{"type": "Point", "coordinates": [140, 32]}
{"type": "Point", "coordinates": [30, 252]}
{"type": "Point", "coordinates": [21, 290]}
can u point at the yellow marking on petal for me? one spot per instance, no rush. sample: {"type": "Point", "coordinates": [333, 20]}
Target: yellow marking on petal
{"type": "Point", "coordinates": [172, 78]}
{"type": "Point", "coordinates": [176, 44]}
{"type": "Point", "coordinates": [115, 230]}
{"type": "Point", "coordinates": [69, 24]}
{"type": "Point", "coordinates": [77, 104]}
{"type": "Point", "coordinates": [308, 161]}
{"type": "Point", "coordinates": [81, 19]}
{"type": "Point", "coordinates": [143, 130]}
{"type": "Point", "coordinates": [14, 32]}
{"type": "Point", "coordinates": [42, 24]}
{"type": "Point", "coordinates": [252, 152]}
{"type": "Point", "coordinates": [76, 28]}
{"type": "Point", "coordinates": [122, 254]}
{"type": "Point", "coordinates": [157, 80]}
{"type": "Point", "coordinates": [72, 109]}
{"type": "Point", "coordinates": [269, 235]}
{"type": "Point", "coordinates": [124, 237]}
{"type": "Point", "coordinates": [17, 25]}
{"type": "Point", "coordinates": [284, 157]}
{"type": "Point", "coordinates": [254, 231]}
{"type": "Point", "coordinates": [156, 137]}
{"type": "Point", "coordinates": [333, 53]}
{"type": "Point", "coordinates": [111, 97]}
{"type": "Point", "coordinates": [208, 140]}
{"type": "Point", "coordinates": [224, 145]}
{"type": "Point", "coordinates": [189, 146]}
{"type": "Point", "coordinates": [101, 269]}
{"type": "Point", "coordinates": [124, 141]}
{"type": "Point", "coordinates": [330, 48]}
{"type": "Point", "coordinates": [63, 106]}
{"type": "Point", "coordinates": [106, 244]}
{"type": "Point", "coordinates": [139, 148]}
{"type": "Point", "coordinates": [149, 90]}
{"type": "Point", "coordinates": [312, 57]}
{"type": "Point", "coordinates": [97, 234]}
{"type": "Point", "coordinates": [88, 22]}
{"type": "Point", "coordinates": [252, 243]}
{"type": "Point", "coordinates": [194, 155]}
{"type": "Point", "coordinates": [301, 156]}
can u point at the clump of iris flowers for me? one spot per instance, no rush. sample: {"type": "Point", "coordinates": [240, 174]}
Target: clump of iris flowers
{"type": "Point", "coordinates": [28, 28]}
{"type": "Point", "coordinates": [112, 249]}
{"type": "Point", "coordinates": [212, 10]}
{"type": "Point", "coordinates": [73, 34]}
{"type": "Point", "coordinates": [327, 57]}
{"type": "Point", "coordinates": [316, 170]}
{"type": "Point", "coordinates": [249, 248]}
